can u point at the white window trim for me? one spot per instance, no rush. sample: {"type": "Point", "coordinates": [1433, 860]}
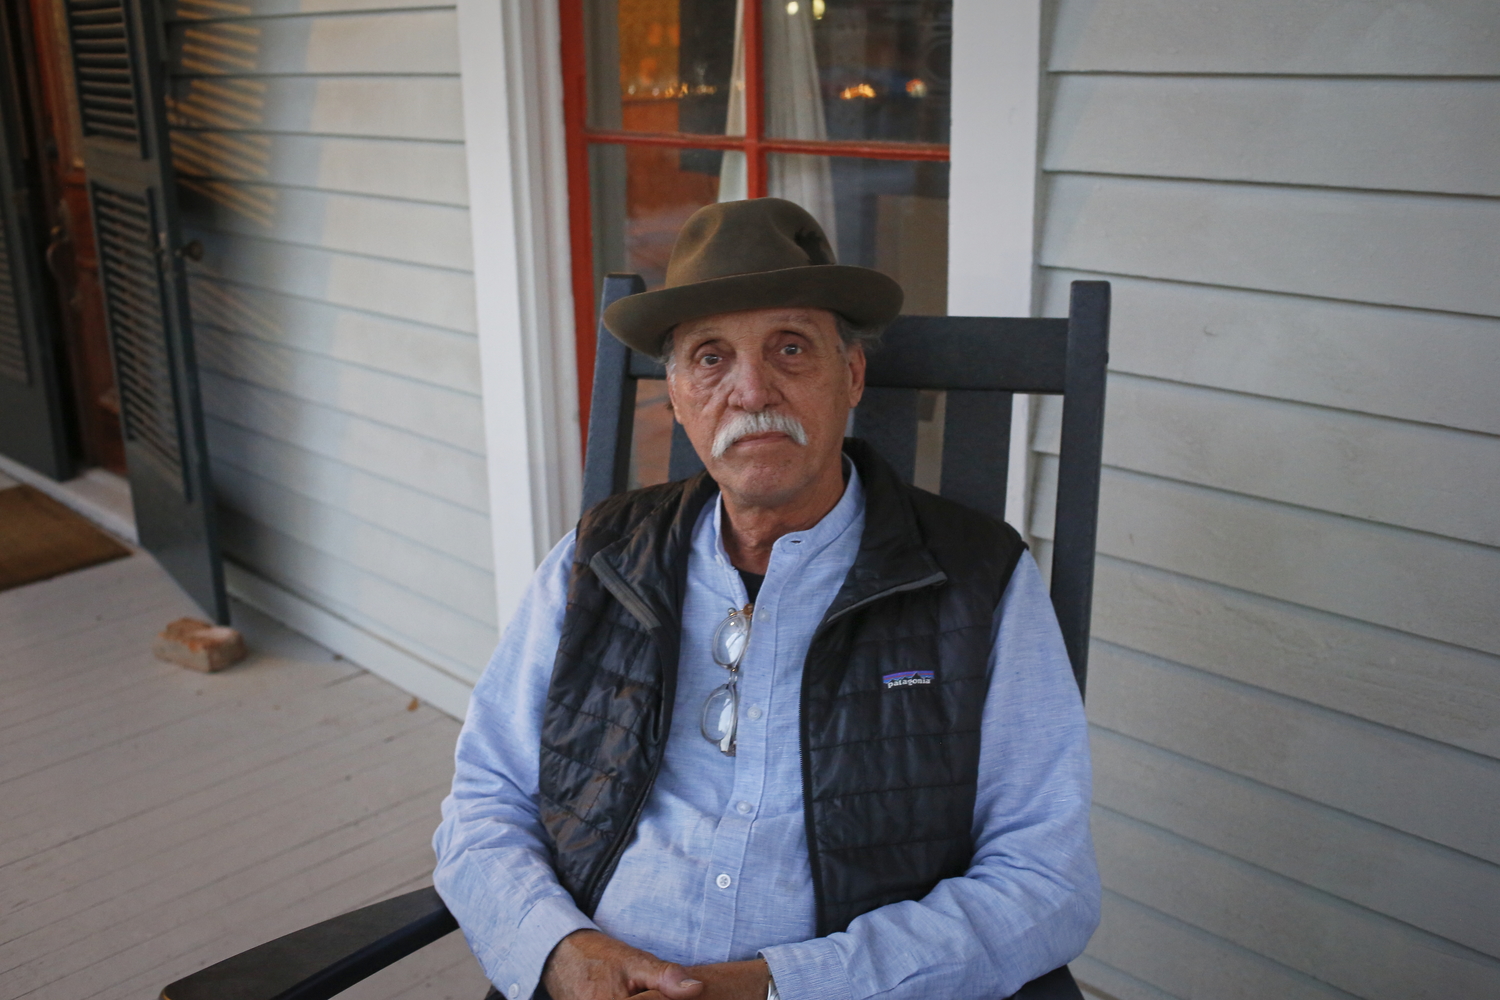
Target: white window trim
{"type": "Point", "coordinates": [518, 214]}
{"type": "Point", "coordinates": [992, 186]}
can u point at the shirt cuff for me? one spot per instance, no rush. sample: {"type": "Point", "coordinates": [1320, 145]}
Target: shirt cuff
{"type": "Point", "coordinates": [808, 970]}
{"type": "Point", "coordinates": [549, 921]}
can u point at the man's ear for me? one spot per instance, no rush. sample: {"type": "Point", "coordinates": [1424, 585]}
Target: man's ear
{"type": "Point", "coordinates": [672, 395]}
{"type": "Point", "coordinates": [854, 355]}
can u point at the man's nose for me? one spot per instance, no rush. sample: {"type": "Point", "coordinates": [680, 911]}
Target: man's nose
{"type": "Point", "coordinates": [753, 385]}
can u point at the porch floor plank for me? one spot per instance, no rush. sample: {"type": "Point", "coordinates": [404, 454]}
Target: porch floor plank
{"type": "Point", "coordinates": [154, 821]}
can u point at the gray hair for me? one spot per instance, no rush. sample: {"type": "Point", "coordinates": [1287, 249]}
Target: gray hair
{"type": "Point", "coordinates": [867, 337]}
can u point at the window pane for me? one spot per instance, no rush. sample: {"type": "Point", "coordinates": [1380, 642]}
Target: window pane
{"type": "Point", "coordinates": [641, 197]}
{"type": "Point", "coordinates": [660, 65]}
{"type": "Point", "coordinates": [891, 215]}
{"type": "Point", "coordinates": [858, 69]}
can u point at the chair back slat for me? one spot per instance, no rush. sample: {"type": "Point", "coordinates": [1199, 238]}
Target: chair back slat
{"type": "Point", "coordinates": [971, 352]}
{"type": "Point", "coordinates": [1080, 457]}
{"type": "Point", "coordinates": [980, 362]}
{"type": "Point", "coordinates": [606, 462]}
{"type": "Point", "coordinates": [887, 419]}
{"type": "Point", "coordinates": [976, 449]}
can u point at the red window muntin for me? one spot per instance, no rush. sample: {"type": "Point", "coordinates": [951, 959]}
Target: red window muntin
{"type": "Point", "coordinates": [755, 144]}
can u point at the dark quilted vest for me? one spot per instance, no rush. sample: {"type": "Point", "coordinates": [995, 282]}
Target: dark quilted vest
{"type": "Point", "coordinates": [888, 772]}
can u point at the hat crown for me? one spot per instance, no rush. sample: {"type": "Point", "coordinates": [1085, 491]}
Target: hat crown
{"type": "Point", "coordinates": [746, 237]}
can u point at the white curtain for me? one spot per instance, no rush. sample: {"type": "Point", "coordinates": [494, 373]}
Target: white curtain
{"type": "Point", "coordinates": [794, 110]}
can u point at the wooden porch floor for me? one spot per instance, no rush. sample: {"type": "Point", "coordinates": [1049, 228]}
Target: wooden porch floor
{"type": "Point", "coordinates": [154, 820]}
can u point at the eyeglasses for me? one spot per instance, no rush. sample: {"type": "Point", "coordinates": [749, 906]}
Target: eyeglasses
{"type": "Point", "coordinates": [721, 712]}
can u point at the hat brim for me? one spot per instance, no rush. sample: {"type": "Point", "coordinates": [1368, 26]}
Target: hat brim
{"type": "Point", "coordinates": [863, 296]}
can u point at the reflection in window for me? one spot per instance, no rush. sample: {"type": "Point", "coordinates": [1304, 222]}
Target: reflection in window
{"type": "Point", "coordinates": [794, 110]}
{"type": "Point", "coordinates": [892, 215]}
{"type": "Point", "coordinates": [884, 68]}
{"type": "Point", "coordinates": [674, 59]}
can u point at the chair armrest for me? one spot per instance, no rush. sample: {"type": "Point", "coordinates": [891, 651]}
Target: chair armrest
{"type": "Point", "coordinates": [325, 959]}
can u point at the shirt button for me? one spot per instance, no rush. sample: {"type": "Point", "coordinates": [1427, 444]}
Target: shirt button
{"type": "Point", "coordinates": [743, 807]}
{"type": "Point", "coordinates": [755, 712]}
{"type": "Point", "coordinates": [723, 881]}
{"type": "Point", "coordinates": [514, 991]}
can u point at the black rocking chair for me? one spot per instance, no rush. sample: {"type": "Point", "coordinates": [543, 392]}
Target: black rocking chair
{"type": "Point", "coordinates": [980, 362]}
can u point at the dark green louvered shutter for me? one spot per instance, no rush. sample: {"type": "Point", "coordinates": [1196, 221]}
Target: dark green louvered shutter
{"type": "Point", "coordinates": [117, 59]}
{"type": "Point", "coordinates": [31, 416]}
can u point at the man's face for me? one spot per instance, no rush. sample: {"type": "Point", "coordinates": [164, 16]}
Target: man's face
{"type": "Point", "coordinates": [742, 384]}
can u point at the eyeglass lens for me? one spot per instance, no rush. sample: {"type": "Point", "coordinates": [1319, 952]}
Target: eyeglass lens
{"type": "Point", "coordinates": [720, 714]}
{"type": "Point", "coordinates": [722, 709]}
{"type": "Point", "coordinates": [730, 640]}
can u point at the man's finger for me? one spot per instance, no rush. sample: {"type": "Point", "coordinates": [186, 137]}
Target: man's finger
{"type": "Point", "coordinates": [673, 982]}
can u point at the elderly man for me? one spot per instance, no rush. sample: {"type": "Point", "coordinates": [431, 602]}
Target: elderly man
{"type": "Point", "coordinates": [788, 728]}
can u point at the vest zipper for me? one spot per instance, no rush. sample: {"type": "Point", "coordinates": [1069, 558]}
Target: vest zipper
{"type": "Point", "coordinates": [900, 588]}
{"type": "Point", "coordinates": [814, 862]}
{"type": "Point", "coordinates": [595, 894]}
{"type": "Point", "coordinates": [641, 611]}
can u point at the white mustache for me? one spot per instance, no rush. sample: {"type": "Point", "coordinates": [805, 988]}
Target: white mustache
{"type": "Point", "coordinates": [743, 424]}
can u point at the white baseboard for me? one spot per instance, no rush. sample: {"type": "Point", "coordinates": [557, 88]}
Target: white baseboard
{"type": "Point", "coordinates": [407, 671]}
{"type": "Point", "coordinates": [100, 496]}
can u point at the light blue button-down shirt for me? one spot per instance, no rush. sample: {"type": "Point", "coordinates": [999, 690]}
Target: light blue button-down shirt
{"type": "Point", "coordinates": [718, 869]}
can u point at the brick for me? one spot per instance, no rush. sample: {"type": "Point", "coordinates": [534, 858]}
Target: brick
{"type": "Point", "coordinates": [198, 645]}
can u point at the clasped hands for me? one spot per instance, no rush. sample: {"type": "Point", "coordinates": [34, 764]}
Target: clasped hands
{"type": "Point", "coordinates": [591, 965]}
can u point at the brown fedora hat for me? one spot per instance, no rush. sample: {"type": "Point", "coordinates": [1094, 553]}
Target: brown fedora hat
{"type": "Point", "coordinates": [756, 254]}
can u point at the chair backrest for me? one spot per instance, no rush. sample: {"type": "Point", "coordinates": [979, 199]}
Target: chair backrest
{"type": "Point", "coordinates": [980, 362]}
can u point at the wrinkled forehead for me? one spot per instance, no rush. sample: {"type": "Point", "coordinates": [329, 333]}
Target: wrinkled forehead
{"type": "Point", "coordinates": [754, 321]}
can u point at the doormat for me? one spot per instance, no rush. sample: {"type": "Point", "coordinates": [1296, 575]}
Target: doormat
{"type": "Point", "coordinates": [40, 538]}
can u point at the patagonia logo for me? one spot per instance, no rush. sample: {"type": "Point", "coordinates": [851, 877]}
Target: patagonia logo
{"type": "Point", "coordinates": [907, 678]}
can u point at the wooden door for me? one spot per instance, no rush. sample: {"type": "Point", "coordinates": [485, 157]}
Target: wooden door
{"type": "Point", "coordinates": [33, 427]}
{"type": "Point", "coordinates": [71, 260]}
{"type": "Point", "coordinates": [117, 50]}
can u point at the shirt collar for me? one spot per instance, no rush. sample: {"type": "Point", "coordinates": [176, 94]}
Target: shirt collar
{"type": "Point", "coordinates": [845, 513]}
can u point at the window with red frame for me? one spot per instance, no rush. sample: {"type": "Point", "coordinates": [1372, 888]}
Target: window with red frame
{"type": "Point", "coordinates": [839, 105]}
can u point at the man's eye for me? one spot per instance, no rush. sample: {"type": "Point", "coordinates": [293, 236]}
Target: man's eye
{"type": "Point", "coordinates": [792, 349]}
{"type": "Point", "coordinates": [709, 360]}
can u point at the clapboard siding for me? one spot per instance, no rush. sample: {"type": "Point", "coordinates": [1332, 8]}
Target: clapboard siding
{"type": "Point", "coordinates": [1393, 472]}
{"type": "Point", "coordinates": [1276, 130]}
{"type": "Point", "coordinates": [319, 145]}
{"type": "Point", "coordinates": [443, 415]}
{"type": "Point", "coordinates": [1104, 982]}
{"type": "Point", "coordinates": [1300, 37]}
{"type": "Point", "coordinates": [408, 619]}
{"type": "Point", "coordinates": [421, 463]}
{"type": "Point", "coordinates": [371, 498]}
{"type": "Point", "coordinates": [1423, 584]}
{"type": "Point", "coordinates": [219, 9]}
{"type": "Point", "coordinates": [1346, 946]}
{"type": "Point", "coordinates": [416, 108]}
{"type": "Point", "coordinates": [1295, 681]}
{"type": "Point", "coordinates": [431, 172]}
{"type": "Point", "coordinates": [1186, 961]}
{"type": "Point", "coordinates": [1443, 692]}
{"type": "Point", "coordinates": [394, 229]}
{"type": "Point", "coordinates": [1357, 860]}
{"type": "Point", "coordinates": [1419, 251]}
{"type": "Point", "coordinates": [385, 43]}
{"type": "Point", "coordinates": [428, 354]}
{"type": "Point", "coordinates": [1410, 364]}
{"type": "Point", "coordinates": [388, 554]}
{"type": "Point", "coordinates": [434, 296]}
{"type": "Point", "coordinates": [1425, 789]}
